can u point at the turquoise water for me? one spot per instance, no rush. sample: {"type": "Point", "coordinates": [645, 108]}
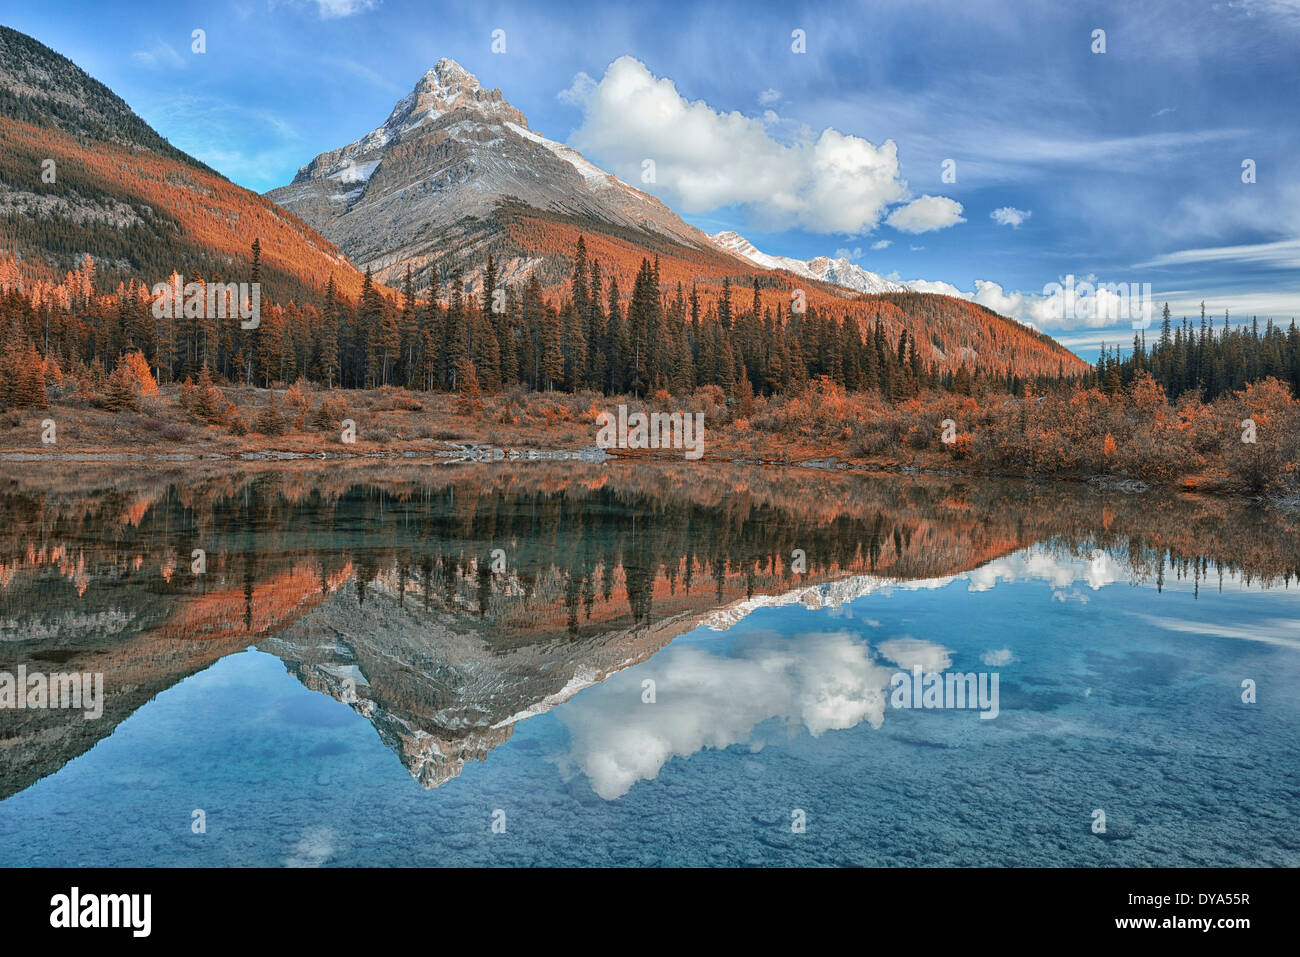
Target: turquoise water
{"type": "Point", "coordinates": [1113, 696]}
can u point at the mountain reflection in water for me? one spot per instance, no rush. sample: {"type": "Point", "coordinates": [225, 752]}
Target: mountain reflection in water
{"type": "Point", "coordinates": [446, 605]}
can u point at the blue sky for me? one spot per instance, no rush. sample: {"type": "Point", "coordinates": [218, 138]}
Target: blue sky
{"type": "Point", "coordinates": [1123, 165]}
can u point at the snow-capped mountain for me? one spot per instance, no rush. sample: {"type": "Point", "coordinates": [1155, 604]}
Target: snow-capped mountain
{"type": "Point", "coordinates": [449, 152]}
{"type": "Point", "coordinates": [838, 272]}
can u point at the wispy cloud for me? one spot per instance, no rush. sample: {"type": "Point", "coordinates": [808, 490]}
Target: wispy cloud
{"type": "Point", "coordinates": [333, 9]}
{"type": "Point", "coordinates": [1276, 631]}
{"type": "Point", "coordinates": [1107, 152]}
{"type": "Point", "coordinates": [367, 75]}
{"type": "Point", "coordinates": [246, 143]}
{"type": "Point", "coordinates": [1279, 255]}
{"type": "Point", "coordinates": [160, 55]}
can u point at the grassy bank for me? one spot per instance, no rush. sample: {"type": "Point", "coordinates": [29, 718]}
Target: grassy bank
{"type": "Point", "coordinates": [1245, 442]}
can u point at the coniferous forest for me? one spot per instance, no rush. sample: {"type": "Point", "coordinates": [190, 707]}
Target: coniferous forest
{"type": "Point", "coordinates": [596, 337]}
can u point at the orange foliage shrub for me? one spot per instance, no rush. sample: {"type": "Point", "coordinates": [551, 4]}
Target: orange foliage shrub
{"type": "Point", "coordinates": [1263, 440]}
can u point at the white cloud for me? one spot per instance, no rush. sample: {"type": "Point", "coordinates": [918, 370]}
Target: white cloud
{"type": "Point", "coordinates": [854, 253]}
{"type": "Point", "coordinates": [1038, 311]}
{"type": "Point", "coordinates": [926, 214]}
{"type": "Point", "coordinates": [936, 286]}
{"type": "Point", "coordinates": [995, 658]}
{"type": "Point", "coordinates": [822, 682]}
{"type": "Point", "coordinates": [1041, 311]}
{"type": "Point", "coordinates": [1040, 564]}
{"type": "Point", "coordinates": [830, 182]}
{"type": "Point", "coordinates": [882, 244]}
{"type": "Point", "coordinates": [580, 90]}
{"type": "Point", "coordinates": [1010, 216]}
{"type": "Point", "coordinates": [769, 97]}
{"type": "Point", "coordinates": [909, 653]}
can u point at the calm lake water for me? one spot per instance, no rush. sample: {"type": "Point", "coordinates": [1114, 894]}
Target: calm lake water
{"type": "Point", "coordinates": [660, 665]}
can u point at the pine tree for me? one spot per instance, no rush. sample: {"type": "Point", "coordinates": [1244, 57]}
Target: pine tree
{"type": "Point", "coordinates": [490, 285]}
{"type": "Point", "coordinates": [326, 361]}
{"type": "Point", "coordinates": [594, 325]}
{"type": "Point", "coordinates": [506, 340]}
{"type": "Point", "coordinates": [408, 327]}
{"type": "Point", "coordinates": [469, 401]}
{"type": "Point", "coordinates": [29, 381]}
{"type": "Point", "coordinates": [552, 357]}
{"type": "Point", "coordinates": [375, 341]}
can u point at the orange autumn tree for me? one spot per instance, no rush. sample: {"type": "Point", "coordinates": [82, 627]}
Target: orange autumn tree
{"type": "Point", "coordinates": [137, 369]}
{"type": "Point", "coordinates": [130, 380]}
{"type": "Point", "coordinates": [22, 376]}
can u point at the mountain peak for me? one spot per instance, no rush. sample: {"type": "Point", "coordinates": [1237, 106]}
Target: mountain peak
{"type": "Point", "coordinates": [446, 79]}
{"type": "Point", "coordinates": [446, 87]}
{"type": "Point", "coordinates": [448, 70]}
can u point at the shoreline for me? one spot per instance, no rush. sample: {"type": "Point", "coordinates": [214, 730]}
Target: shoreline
{"type": "Point", "coordinates": [444, 452]}
{"type": "Point", "coordinates": [825, 430]}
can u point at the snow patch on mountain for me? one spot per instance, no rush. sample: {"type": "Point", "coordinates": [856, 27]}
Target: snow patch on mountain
{"type": "Point", "coordinates": [355, 172]}
{"type": "Point", "coordinates": [590, 171]}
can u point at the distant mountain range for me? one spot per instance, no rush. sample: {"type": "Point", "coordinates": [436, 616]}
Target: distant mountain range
{"type": "Point", "coordinates": [837, 272]}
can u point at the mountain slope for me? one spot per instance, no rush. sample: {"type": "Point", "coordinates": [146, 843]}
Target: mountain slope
{"type": "Point", "coordinates": [122, 194]}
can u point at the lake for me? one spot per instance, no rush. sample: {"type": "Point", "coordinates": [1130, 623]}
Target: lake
{"type": "Point", "coordinates": [642, 664]}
